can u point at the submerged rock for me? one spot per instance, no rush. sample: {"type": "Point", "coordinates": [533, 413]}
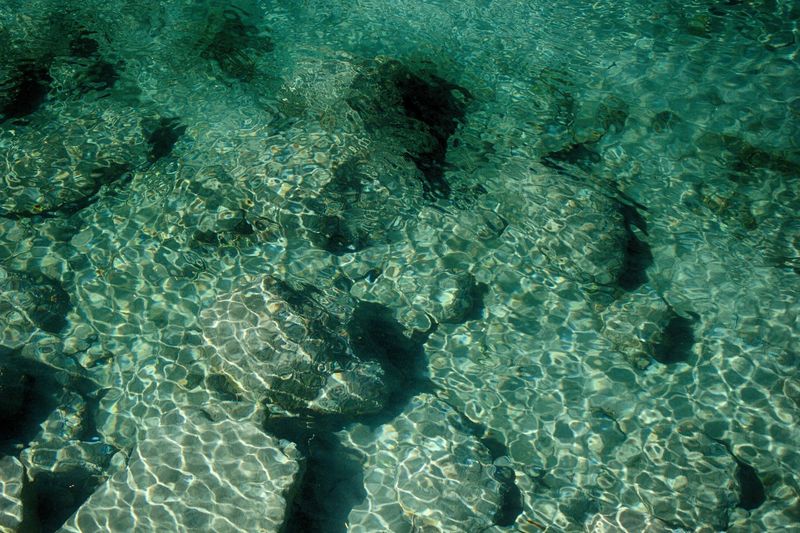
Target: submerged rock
{"type": "Point", "coordinates": [571, 227]}
{"type": "Point", "coordinates": [446, 297]}
{"type": "Point", "coordinates": [12, 480]}
{"type": "Point", "coordinates": [58, 169]}
{"type": "Point", "coordinates": [279, 344]}
{"type": "Point", "coordinates": [353, 210]}
{"type": "Point", "coordinates": [192, 473]}
{"type": "Point", "coordinates": [679, 460]}
{"type": "Point", "coordinates": [234, 44]}
{"type": "Point", "coordinates": [424, 471]}
{"type": "Point", "coordinates": [634, 325]}
{"type": "Point", "coordinates": [30, 301]}
{"type": "Point", "coordinates": [627, 519]}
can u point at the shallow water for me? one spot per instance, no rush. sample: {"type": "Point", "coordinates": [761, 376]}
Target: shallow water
{"type": "Point", "coordinates": [399, 266]}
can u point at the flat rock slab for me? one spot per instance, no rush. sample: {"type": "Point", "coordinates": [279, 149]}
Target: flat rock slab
{"type": "Point", "coordinates": [192, 473]}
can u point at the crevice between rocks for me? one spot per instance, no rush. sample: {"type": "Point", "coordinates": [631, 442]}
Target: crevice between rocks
{"type": "Point", "coordinates": [29, 392]}
{"type": "Point", "coordinates": [333, 481]}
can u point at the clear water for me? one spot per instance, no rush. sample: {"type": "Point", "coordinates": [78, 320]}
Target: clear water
{"type": "Point", "coordinates": [399, 266]}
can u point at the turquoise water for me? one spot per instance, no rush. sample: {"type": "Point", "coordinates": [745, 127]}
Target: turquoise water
{"type": "Point", "coordinates": [474, 266]}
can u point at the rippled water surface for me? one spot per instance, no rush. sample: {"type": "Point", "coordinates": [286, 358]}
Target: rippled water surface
{"type": "Point", "coordinates": [407, 266]}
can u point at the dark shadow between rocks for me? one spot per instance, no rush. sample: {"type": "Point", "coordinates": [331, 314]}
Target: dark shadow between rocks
{"type": "Point", "coordinates": [28, 394]}
{"type": "Point", "coordinates": [752, 493]}
{"type": "Point", "coordinates": [57, 496]}
{"type": "Point", "coordinates": [161, 135]}
{"type": "Point", "coordinates": [577, 154]}
{"type": "Point", "coordinates": [335, 235]}
{"type": "Point", "coordinates": [28, 87]}
{"type": "Point", "coordinates": [511, 506]}
{"type": "Point", "coordinates": [677, 340]}
{"type": "Point", "coordinates": [433, 101]}
{"type": "Point", "coordinates": [26, 91]}
{"type": "Point", "coordinates": [95, 73]}
{"type": "Point", "coordinates": [332, 483]}
{"type": "Point", "coordinates": [751, 489]}
{"type": "Point", "coordinates": [638, 257]}
{"type": "Point", "coordinates": [416, 110]}
{"type": "Point", "coordinates": [375, 335]}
